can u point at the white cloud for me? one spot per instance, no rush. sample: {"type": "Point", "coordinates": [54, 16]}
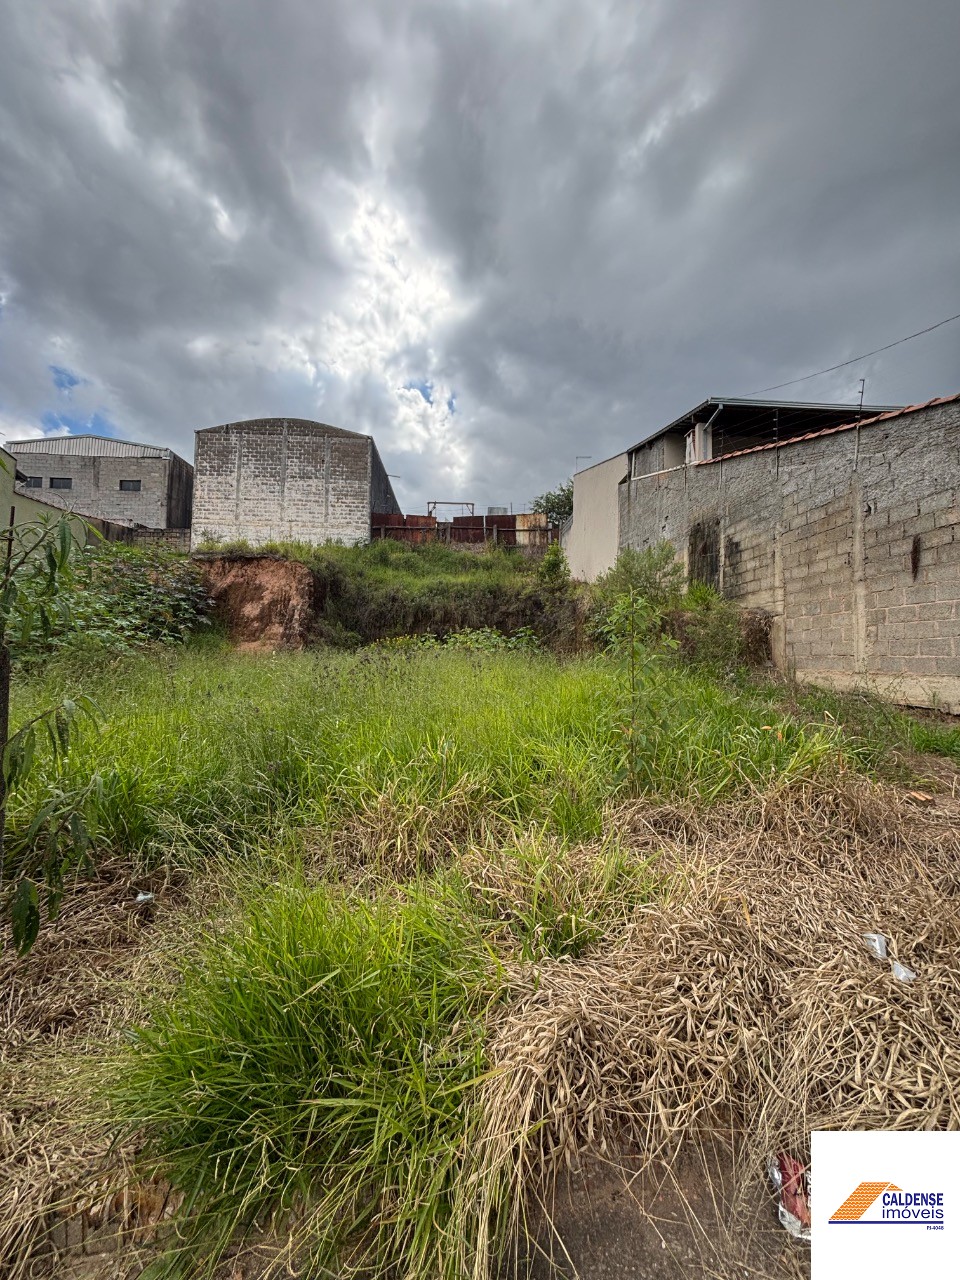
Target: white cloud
{"type": "Point", "coordinates": [18, 429]}
{"type": "Point", "coordinates": [576, 219]}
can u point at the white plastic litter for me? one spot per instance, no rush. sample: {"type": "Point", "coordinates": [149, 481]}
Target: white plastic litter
{"type": "Point", "coordinates": [901, 971]}
{"type": "Point", "coordinates": [145, 897]}
{"type": "Point", "coordinates": [877, 944]}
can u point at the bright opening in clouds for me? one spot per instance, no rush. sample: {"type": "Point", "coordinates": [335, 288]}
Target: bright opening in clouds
{"type": "Point", "coordinates": [494, 236]}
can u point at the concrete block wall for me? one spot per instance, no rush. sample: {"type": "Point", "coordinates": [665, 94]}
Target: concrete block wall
{"type": "Point", "coordinates": [851, 540]}
{"type": "Point", "coordinates": [96, 485]}
{"type": "Point", "coordinates": [285, 479]}
{"type": "Point", "coordinates": [382, 498]}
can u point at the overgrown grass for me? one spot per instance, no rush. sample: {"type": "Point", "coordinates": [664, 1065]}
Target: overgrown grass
{"type": "Point", "coordinates": [396, 563]}
{"type": "Point", "coordinates": [883, 735]}
{"type": "Point", "coordinates": [320, 1072]}
{"type": "Point", "coordinates": [321, 1061]}
{"type": "Point", "coordinates": [390, 588]}
{"type": "Point", "coordinates": [399, 756]}
{"type": "Point", "coordinates": [320, 1064]}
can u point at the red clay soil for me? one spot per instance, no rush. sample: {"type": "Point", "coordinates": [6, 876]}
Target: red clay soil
{"type": "Point", "coordinates": [265, 602]}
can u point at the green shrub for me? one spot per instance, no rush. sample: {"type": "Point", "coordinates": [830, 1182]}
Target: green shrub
{"type": "Point", "coordinates": [553, 570]}
{"type": "Point", "coordinates": [654, 574]}
{"type": "Point", "coordinates": [116, 597]}
{"type": "Point", "coordinates": [708, 629]}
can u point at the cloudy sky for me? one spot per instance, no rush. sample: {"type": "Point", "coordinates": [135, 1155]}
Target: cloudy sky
{"type": "Point", "coordinates": [496, 235]}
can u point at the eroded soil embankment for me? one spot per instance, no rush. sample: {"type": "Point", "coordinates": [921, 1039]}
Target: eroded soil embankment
{"type": "Point", "coordinates": [265, 602]}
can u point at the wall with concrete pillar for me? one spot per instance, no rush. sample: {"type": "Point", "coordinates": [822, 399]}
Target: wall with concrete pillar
{"type": "Point", "coordinates": [850, 539]}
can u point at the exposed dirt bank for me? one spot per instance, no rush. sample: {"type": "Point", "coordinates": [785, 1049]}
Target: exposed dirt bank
{"type": "Point", "coordinates": [265, 602]}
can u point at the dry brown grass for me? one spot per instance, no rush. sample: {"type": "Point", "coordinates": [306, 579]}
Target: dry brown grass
{"type": "Point", "coordinates": [84, 983]}
{"type": "Point", "coordinates": [397, 833]}
{"type": "Point", "coordinates": [742, 1004]}
{"type": "Point", "coordinates": [745, 1002]}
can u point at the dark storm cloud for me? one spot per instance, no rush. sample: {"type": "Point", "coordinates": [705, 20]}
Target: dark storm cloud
{"type": "Point", "coordinates": [738, 193]}
{"type": "Point", "coordinates": [577, 219]}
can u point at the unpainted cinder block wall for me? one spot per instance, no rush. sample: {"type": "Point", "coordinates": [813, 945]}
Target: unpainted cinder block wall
{"type": "Point", "coordinates": [96, 488]}
{"type": "Point", "coordinates": [850, 540]}
{"type": "Point", "coordinates": [285, 479]}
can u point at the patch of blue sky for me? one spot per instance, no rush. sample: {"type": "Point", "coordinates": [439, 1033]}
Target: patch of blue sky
{"type": "Point", "coordinates": [95, 425]}
{"type": "Point", "coordinates": [425, 388]}
{"type": "Point", "coordinates": [65, 379]}
{"type": "Point", "coordinates": [452, 403]}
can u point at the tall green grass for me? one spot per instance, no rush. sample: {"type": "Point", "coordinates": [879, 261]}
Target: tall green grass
{"type": "Point", "coordinates": [398, 755]}
{"type": "Point", "coordinates": [317, 1071]}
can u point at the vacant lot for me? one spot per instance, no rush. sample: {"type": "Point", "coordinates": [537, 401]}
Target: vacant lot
{"type": "Point", "coordinates": [379, 944]}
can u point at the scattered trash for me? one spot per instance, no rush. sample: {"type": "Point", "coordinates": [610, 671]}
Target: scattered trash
{"type": "Point", "coordinates": [919, 797]}
{"type": "Point", "coordinates": [877, 944]}
{"type": "Point", "coordinates": [792, 1184]}
{"type": "Point", "coordinates": [141, 898]}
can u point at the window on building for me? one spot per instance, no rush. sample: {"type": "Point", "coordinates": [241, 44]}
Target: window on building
{"type": "Point", "coordinates": [33, 482]}
{"type": "Point", "coordinates": [61, 482]}
{"type": "Point", "coordinates": [130, 486]}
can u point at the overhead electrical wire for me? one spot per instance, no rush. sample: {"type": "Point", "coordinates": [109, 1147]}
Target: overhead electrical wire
{"type": "Point", "coordinates": [844, 363]}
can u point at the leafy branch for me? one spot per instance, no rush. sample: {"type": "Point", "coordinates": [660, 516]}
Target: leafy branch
{"type": "Point", "coordinates": [36, 564]}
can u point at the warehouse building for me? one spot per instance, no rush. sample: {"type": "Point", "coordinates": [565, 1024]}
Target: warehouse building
{"type": "Point", "coordinates": [118, 480]}
{"type": "Point", "coordinates": [287, 480]}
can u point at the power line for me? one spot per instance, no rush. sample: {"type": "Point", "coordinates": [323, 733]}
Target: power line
{"type": "Point", "coordinates": [843, 364]}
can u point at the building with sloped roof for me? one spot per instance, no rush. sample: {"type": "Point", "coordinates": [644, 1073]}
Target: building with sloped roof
{"type": "Point", "coordinates": [842, 535]}
{"type": "Point", "coordinates": [718, 426]}
{"type": "Point", "coordinates": [117, 480]}
{"type": "Point", "coordinates": [287, 480]}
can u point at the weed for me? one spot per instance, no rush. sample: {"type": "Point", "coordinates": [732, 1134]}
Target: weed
{"type": "Point", "coordinates": [408, 754]}
{"type": "Point", "coordinates": [319, 1064]}
{"type": "Point", "coordinates": [875, 725]}
{"type": "Point", "coordinates": [553, 570]}
{"type": "Point", "coordinates": [709, 630]}
{"type": "Point", "coordinates": [116, 598]}
{"type": "Point", "coordinates": [655, 574]}
{"type": "Point", "coordinates": [551, 903]}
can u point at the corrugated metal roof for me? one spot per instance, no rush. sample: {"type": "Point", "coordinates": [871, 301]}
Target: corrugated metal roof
{"type": "Point", "coordinates": [89, 447]}
{"type": "Point", "coordinates": [832, 431]}
{"type": "Point", "coordinates": [718, 402]}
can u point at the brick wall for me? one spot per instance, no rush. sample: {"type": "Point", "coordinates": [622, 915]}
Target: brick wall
{"type": "Point", "coordinates": [285, 479]}
{"type": "Point", "coordinates": [96, 485]}
{"type": "Point", "coordinates": [851, 540]}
